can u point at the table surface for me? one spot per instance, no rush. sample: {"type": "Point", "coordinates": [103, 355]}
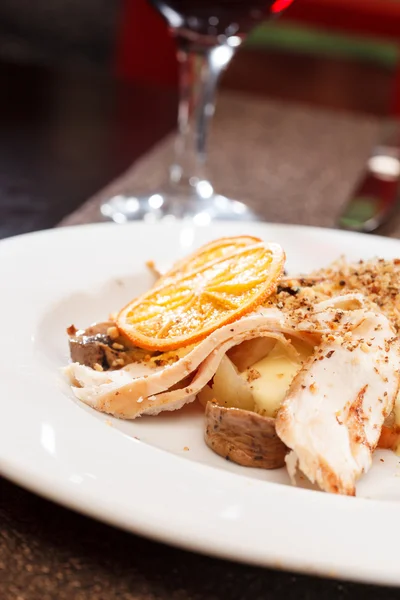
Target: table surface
{"type": "Point", "coordinates": [63, 137]}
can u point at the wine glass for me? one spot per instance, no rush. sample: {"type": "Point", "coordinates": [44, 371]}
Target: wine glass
{"type": "Point", "coordinates": [207, 33]}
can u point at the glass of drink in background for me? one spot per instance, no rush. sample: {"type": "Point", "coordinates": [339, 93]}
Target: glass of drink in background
{"type": "Point", "coordinates": [207, 33]}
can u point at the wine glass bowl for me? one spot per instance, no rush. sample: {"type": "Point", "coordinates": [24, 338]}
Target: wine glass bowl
{"type": "Point", "coordinates": [208, 20]}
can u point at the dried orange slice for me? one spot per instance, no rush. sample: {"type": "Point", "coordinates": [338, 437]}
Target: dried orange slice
{"type": "Point", "coordinates": [207, 253]}
{"type": "Point", "coordinates": [216, 285]}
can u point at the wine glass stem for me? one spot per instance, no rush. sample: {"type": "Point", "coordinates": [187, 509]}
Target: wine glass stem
{"type": "Point", "coordinates": [200, 69]}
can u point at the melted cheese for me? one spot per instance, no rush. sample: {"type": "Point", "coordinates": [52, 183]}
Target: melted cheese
{"type": "Point", "coordinates": [271, 377]}
{"type": "Point", "coordinates": [227, 388]}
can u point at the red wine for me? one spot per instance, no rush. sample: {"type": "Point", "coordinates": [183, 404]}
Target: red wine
{"type": "Point", "coordinates": [218, 17]}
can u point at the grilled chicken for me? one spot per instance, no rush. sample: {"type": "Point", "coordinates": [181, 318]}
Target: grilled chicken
{"type": "Point", "coordinates": [146, 388]}
{"type": "Point", "coordinates": [335, 408]}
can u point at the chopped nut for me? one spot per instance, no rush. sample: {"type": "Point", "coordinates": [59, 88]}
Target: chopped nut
{"type": "Point", "coordinates": [118, 362]}
{"type": "Point", "coordinates": [252, 375]}
{"type": "Point", "coordinates": [117, 346]}
{"type": "Point", "coordinates": [97, 367]}
{"type": "Point", "coordinates": [113, 332]}
{"type": "Point", "coordinates": [364, 347]}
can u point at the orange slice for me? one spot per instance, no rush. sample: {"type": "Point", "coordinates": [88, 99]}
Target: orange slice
{"type": "Point", "coordinates": [216, 285]}
{"type": "Point", "coordinates": [207, 253]}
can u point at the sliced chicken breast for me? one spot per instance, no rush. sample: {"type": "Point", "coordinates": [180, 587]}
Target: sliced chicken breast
{"type": "Point", "coordinates": [137, 388]}
{"type": "Point", "coordinates": [333, 413]}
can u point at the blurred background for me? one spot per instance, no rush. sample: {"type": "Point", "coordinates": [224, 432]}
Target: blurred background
{"type": "Point", "coordinates": [89, 87]}
{"type": "Point", "coordinates": [336, 53]}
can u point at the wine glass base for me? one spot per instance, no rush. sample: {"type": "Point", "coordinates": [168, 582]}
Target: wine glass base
{"type": "Point", "coordinates": [157, 207]}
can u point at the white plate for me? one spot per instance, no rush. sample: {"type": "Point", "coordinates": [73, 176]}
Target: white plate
{"type": "Point", "coordinates": [138, 475]}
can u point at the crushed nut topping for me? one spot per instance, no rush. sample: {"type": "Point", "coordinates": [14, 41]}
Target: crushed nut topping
{"type": "Point", "coordinates": [117, 346]}
{"type": "Point", "coordinates": [253, 374]}
{"type": "Point", "coordinates": [113, 333]}
{"type": "Point", "coordinates": [378, 280]}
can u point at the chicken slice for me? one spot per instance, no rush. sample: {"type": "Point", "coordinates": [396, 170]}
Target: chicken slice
{"type": "Point", "coordinates": [137, 389]}
{"type": "Point", "coordinates": [333, 413]}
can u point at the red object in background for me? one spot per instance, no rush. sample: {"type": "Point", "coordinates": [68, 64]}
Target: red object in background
{"type": "Point", "coordinates": [145, 48]}
{"type": "Point", "coordinates": [280, 5]}
{"type": "Point", "coordinates": [380, 18]}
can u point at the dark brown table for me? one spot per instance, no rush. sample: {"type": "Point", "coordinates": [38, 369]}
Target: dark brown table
{"type": "Point", "coordinates": [65, 136]}
{"type": "Point", "coordinates": [62, 137]}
